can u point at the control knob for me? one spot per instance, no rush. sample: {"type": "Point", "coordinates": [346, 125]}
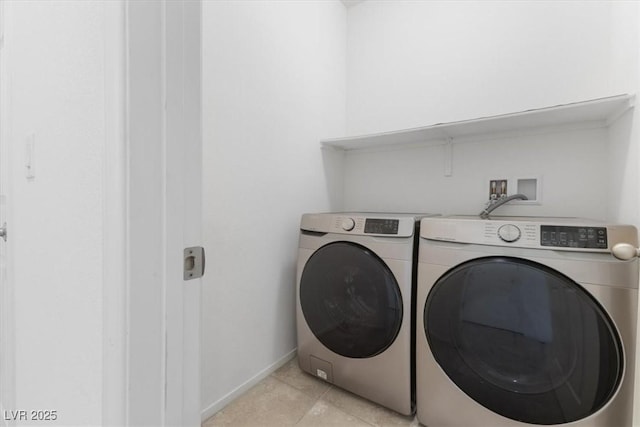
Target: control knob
{"type": "Point", "coordinates": [509, 233]}
{"type": "Point", "coordinates": [348, 224]}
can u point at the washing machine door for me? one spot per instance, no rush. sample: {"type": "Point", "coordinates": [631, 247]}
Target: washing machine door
{"type": "Point", "coordinates": [350, 300]}
{"type": "Point", "coordinates": [523, 340]}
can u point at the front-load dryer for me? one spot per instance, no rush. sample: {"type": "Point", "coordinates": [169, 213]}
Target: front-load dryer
{"type": "Point", "coordinates": [525, 321]}
{"type": "Point", "coordinates": [355, 281]}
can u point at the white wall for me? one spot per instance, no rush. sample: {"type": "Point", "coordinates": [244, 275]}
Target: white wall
{"type": "Point", "coordinates": [417, 63]}
{"type": "Point", "coordinates": [624, 135]}
{"type": "Point", "coordinates": [56, 92]}
{"type": "Point", "coordinates": [273, 86]}
{"type": "Point", "coordinates": [413, 64]}
{"type": "Point", "coordinates": [569, 164]}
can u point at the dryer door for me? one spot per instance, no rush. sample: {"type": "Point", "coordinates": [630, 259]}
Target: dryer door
{"type": "Point", "coordinates": [350, 300]}
{"type": "Point", "coordinates": [523, 340]}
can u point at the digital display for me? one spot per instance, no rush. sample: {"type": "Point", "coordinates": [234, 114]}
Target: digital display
{"type": "Point", "coordinates": [573, 237]}
{"type": "Point", "coordinates": [381, 226]}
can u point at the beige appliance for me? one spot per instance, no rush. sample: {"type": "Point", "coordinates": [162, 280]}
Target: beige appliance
{"type": "Point", "coordinates": [355, 281]}
{"type": "Point", "coordinates": [525, 321]}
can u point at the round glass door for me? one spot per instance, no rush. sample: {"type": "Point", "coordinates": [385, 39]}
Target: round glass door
{"type": "Point", "coordinates": [350, 300]}
{"type": "Point", "coordinates": [523, 340]}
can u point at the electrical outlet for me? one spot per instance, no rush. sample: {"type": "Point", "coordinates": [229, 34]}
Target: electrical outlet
{"type": "Point", "coordinates": [497, 189]}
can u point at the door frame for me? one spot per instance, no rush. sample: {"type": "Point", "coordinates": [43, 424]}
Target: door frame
{"type": "Point", "coordinates": [152, 211]}
{"type": "Point", "coordinates": [7, 318]}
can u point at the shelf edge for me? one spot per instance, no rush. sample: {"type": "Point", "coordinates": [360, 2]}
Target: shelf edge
{"type": "Point", "coordinates": [613, 108]}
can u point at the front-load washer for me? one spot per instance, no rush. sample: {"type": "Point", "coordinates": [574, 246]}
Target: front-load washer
{"type": "Point", "coordinates": [525, 321]}
{"type": "Point", "coordinates": [355, 281]}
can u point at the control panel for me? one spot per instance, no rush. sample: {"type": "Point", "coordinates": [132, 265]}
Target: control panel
{"type": "Point", "coordinates": [564, 234]}
{"type": "Point", "coordinates": [364, 225]}
{"type": "Point", "coordinates": [573, 237]}
{"type": "Point", "coordinates": [381, 226]}
{"type": "Point", "coordinates": [509, 233]}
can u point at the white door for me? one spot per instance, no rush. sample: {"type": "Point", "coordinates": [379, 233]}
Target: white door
{"type": "Point", "coordinates": [7, 389]}
{"type": "Point", "coordinates": [152, 212]}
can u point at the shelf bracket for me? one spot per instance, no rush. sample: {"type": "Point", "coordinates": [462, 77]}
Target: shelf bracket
{"type": "Point", "coordinates": [619, 112]}
{"type": "Point", "coordinates": [448, 157]}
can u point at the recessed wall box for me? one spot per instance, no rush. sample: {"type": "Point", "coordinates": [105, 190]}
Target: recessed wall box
{"type": "Point", "coordinates": [530, 187]}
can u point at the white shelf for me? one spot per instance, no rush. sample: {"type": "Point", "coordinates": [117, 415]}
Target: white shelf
{"type": "Point", "coordinates": [600, 112]}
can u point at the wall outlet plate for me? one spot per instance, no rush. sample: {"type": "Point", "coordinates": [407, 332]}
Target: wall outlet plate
{"type": "Point", "coordinates": [530, 186]}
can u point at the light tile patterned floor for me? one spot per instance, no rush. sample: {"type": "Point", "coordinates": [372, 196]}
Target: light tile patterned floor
{"type": "Point", "coordinates": [290, 397]}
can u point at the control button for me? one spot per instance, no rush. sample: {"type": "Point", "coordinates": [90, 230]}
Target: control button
{"type": "Point", "coordinates": [348, 224]}
{"type": "Point", "coordinates": [509, 233]}
{"type": "Point", "coordinates": [563, 238]}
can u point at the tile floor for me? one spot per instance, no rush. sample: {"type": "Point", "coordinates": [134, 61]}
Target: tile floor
{"type": "Point", "coordinates": [290, 397]}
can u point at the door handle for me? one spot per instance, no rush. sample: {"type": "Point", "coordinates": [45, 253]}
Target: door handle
{"type": "Point", "coordinates": [3, 231]}
{"type": "Point", "coordinates": [625, 251]}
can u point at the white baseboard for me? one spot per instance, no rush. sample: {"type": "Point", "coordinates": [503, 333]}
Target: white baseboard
{"type": "Point", "coordinates": [221, 403]}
